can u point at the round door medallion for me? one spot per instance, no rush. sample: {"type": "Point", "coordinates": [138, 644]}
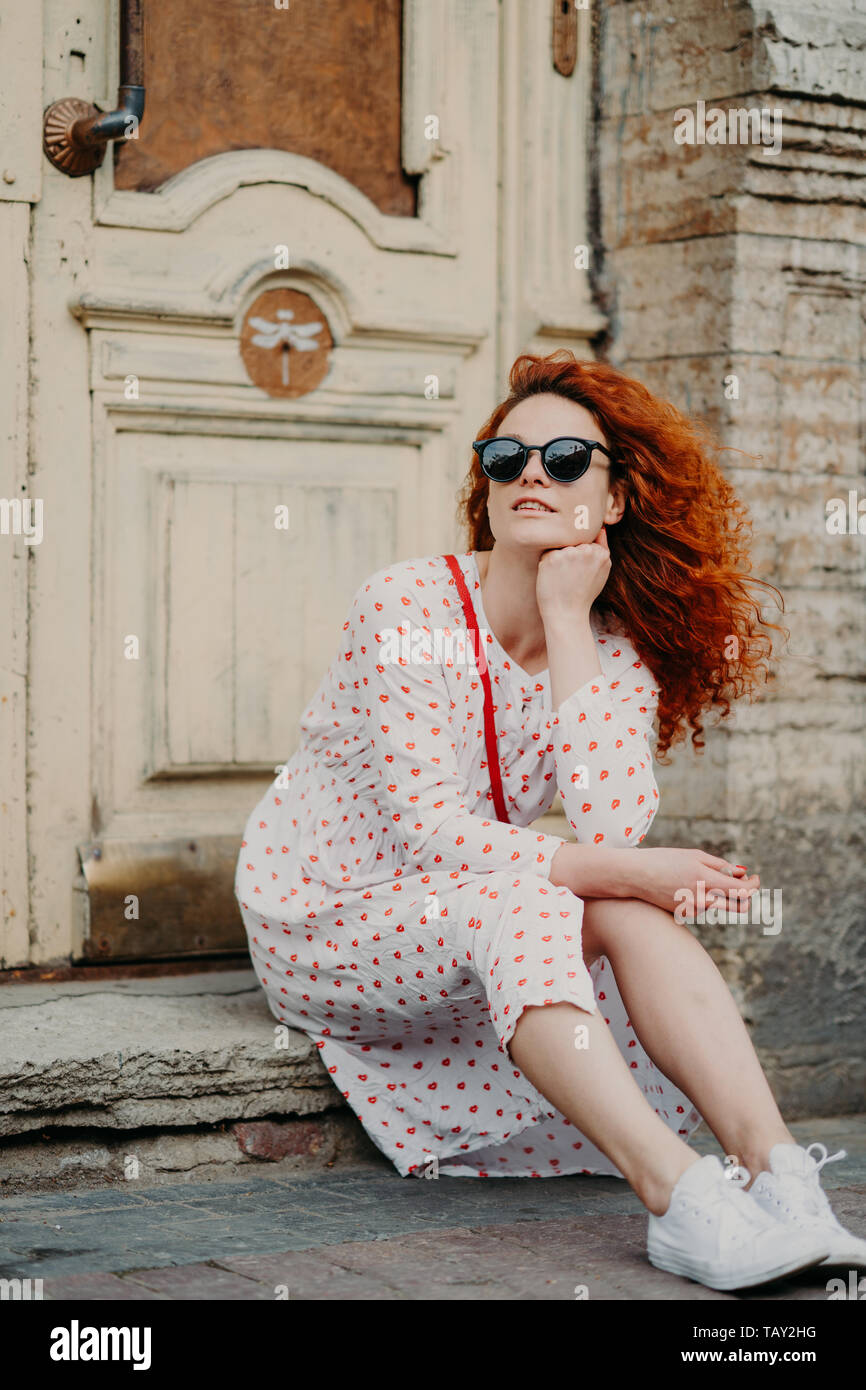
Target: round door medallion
{"type": "Point", "coordinates": [285, 343]}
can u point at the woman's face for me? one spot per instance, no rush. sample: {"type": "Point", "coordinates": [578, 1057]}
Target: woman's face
{"type": "Point", "coordinates": [571, 513]}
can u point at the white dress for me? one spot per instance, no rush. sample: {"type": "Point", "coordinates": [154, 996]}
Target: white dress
{"type": "Point", "coordinates": [393, 919]}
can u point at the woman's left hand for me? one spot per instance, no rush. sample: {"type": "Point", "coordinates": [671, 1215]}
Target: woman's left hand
{"type": "Point", "coordinates": [570, 578]}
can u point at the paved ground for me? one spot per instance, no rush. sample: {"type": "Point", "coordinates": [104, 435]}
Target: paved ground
{"type": "Point", "coordinates": [367, 1233]}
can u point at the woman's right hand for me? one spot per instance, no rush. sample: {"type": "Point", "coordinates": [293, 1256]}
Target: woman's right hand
{"type": "Point", "coordinates": [662, 876]}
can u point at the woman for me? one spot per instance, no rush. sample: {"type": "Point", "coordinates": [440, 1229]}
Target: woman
{"type": "Point", "coordinates": [491, 1000]}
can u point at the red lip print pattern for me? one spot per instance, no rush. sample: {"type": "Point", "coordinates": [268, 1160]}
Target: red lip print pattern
{"type": "Point", "coordinates": [389, 845]}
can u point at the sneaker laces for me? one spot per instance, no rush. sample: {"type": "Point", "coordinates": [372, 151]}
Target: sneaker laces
{"type": "Point", "coordinates": [805, 1188]}
{"type": "Point", "coordinates": [827, 1158]}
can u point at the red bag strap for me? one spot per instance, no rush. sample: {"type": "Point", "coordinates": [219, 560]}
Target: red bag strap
{"type": "Point", "coordinates": [481, 661]}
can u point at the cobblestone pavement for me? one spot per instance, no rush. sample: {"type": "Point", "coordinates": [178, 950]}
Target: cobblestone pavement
{"type": "Point", "coordinates": [366, 1233]}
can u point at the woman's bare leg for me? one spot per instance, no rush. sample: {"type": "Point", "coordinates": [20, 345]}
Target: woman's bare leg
{"type": "Point", "coordinates": [688, 1023]}
{"type": "Point", "coordinates": [686, 1019]}
{"type": "Point", "coordinates": [593, 1088]}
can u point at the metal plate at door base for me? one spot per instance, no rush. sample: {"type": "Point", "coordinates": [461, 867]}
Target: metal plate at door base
{"type": "Point", "coordinates": [161, 899]}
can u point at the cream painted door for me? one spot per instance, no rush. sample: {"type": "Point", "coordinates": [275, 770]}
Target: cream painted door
{"type": "Point", "coordinates": [171, 632]}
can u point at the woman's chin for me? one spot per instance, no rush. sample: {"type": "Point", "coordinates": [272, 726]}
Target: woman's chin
{"type": "Point", "coordinates": [543, 534]}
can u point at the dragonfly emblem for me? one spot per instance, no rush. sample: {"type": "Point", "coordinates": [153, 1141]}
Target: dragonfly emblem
{"type": "Point", "coordinates": [285, 335]}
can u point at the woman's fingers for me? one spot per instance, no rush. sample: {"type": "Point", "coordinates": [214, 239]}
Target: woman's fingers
{"type": "Point", "coordinates": [737, 871]}
{"type": "Point", "coordinates": [720, 880]}
{"type": "Point", "coordinates": [718, 886]}
{"type": "Point", "coordinates": [723, 865]}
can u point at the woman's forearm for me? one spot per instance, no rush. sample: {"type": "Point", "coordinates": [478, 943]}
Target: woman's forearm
{"type": "Point", "coordinates": [572, 657]}
{"type": "Point", "coordinates": [592, 872]}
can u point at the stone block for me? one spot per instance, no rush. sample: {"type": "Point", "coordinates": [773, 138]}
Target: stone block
{"type": "Point", "coordinates": [667, 54]}
{"type": "Point", "coordinates": [792, 547]}
{"type": "Point", "coordinates": [273, 1139]}
{"type": "Point", "coordinates": [827, 633]}
{"type": "Point", "coordinates": [793, 412]}
{"type": "Point", "coordinates": [64, 1159]}
{"type": "Point", "coordinates": [138, 1053]}
{"type": "Point", "coordinates": [672, 299]}
{"type": "Point", "coordinates": [814, 773]}
{"type": "Point", "coordinates": [816, 49]}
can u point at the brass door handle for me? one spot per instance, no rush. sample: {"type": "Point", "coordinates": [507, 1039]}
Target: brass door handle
{"type": "Point", "coordinates": [75, 133]}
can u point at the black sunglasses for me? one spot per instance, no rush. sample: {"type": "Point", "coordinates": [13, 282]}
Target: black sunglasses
{"type": "Point", "coordinates": [564, 459]}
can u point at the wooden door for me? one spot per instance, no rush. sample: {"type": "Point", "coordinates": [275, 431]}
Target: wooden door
{"type": "Point", "coordinates": [214, 493]}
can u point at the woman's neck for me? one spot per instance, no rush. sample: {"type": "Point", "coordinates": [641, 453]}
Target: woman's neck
{"type": "Point", "coordinates": [510, 606]}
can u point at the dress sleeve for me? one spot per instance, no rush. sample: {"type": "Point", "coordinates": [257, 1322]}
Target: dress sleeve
{"type": "Point", "coordinates": [604, 764]}
{"type": "Point", "coordinates": [416, 781]}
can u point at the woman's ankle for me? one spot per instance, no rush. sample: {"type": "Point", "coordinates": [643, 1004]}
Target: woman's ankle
{"type": "Point", "coordinates": [755, 1158]}
{"type": "Point", "coordinates": [654, 1188]}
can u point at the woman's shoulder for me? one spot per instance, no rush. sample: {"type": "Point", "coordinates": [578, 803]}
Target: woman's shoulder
{"type": "Point", "coordinates": [619, 658]}
{"type": "Point", "coordinates": [404, 584]}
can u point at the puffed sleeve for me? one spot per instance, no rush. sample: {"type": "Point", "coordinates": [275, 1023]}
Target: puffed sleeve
{"type": "Point", "coordinates": [415, 777]}
{"type": "Point", "coordinates": [601, 737]}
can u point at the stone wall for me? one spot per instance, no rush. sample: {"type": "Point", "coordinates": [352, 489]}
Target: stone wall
{"type": "Point", "coordinates": [733, 280]}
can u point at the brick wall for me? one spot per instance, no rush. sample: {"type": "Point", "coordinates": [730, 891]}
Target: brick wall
{"type": "Point", "coordinates": [734, 285]}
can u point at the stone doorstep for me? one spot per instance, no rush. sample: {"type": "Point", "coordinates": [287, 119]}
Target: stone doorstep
{"type": "Point", "coordinates": [179, 1078]}
{"type": "Point", "coordinates": [161, 1077]}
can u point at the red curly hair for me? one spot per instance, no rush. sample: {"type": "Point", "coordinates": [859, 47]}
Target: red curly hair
{"type": "Point", "coordinates": [679, 585]}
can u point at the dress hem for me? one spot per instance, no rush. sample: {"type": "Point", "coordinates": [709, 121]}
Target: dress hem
{"type": "Point", "coordinates": [532, 1003]}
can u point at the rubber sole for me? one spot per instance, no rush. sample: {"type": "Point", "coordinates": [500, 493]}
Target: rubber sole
{"type": "Point", "coordinates": [849, 1261]}
{"type": "Point", "coordinates": [689, 1269]}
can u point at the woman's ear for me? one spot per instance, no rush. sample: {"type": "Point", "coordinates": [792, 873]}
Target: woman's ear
{"type": "Point", "coordinates": [615, 503]}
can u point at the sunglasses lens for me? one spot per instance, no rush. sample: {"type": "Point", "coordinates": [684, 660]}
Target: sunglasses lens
{"type": "Point", "coordinates": [567, 459]}
{"type": "Point", "coordinates": [502, 459]}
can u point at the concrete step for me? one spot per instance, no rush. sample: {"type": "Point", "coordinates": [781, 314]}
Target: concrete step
{"type": "Point", "coordinates": [188, 1078]}
{"type": "Point", "coordinates": [161, 1078]}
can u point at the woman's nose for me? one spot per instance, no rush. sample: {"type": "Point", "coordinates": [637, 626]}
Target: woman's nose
{"type": "Point", "coordinates": [534, 467]}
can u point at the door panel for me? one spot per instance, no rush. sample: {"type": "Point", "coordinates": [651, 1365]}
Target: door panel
{"type": "Point", "coordinates": [236, 620]}
{"type": "Point", "coordinates": [321, 80]}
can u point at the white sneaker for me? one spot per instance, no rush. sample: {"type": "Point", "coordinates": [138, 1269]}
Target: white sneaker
{"type": "Point", "coordinates": [792, 1192]}
{"type": "Point", "coordinates": [715, 1233]}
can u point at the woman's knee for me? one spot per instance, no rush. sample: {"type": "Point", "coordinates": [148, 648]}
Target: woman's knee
{"type": "Point", "coordinates": [608, 922]}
